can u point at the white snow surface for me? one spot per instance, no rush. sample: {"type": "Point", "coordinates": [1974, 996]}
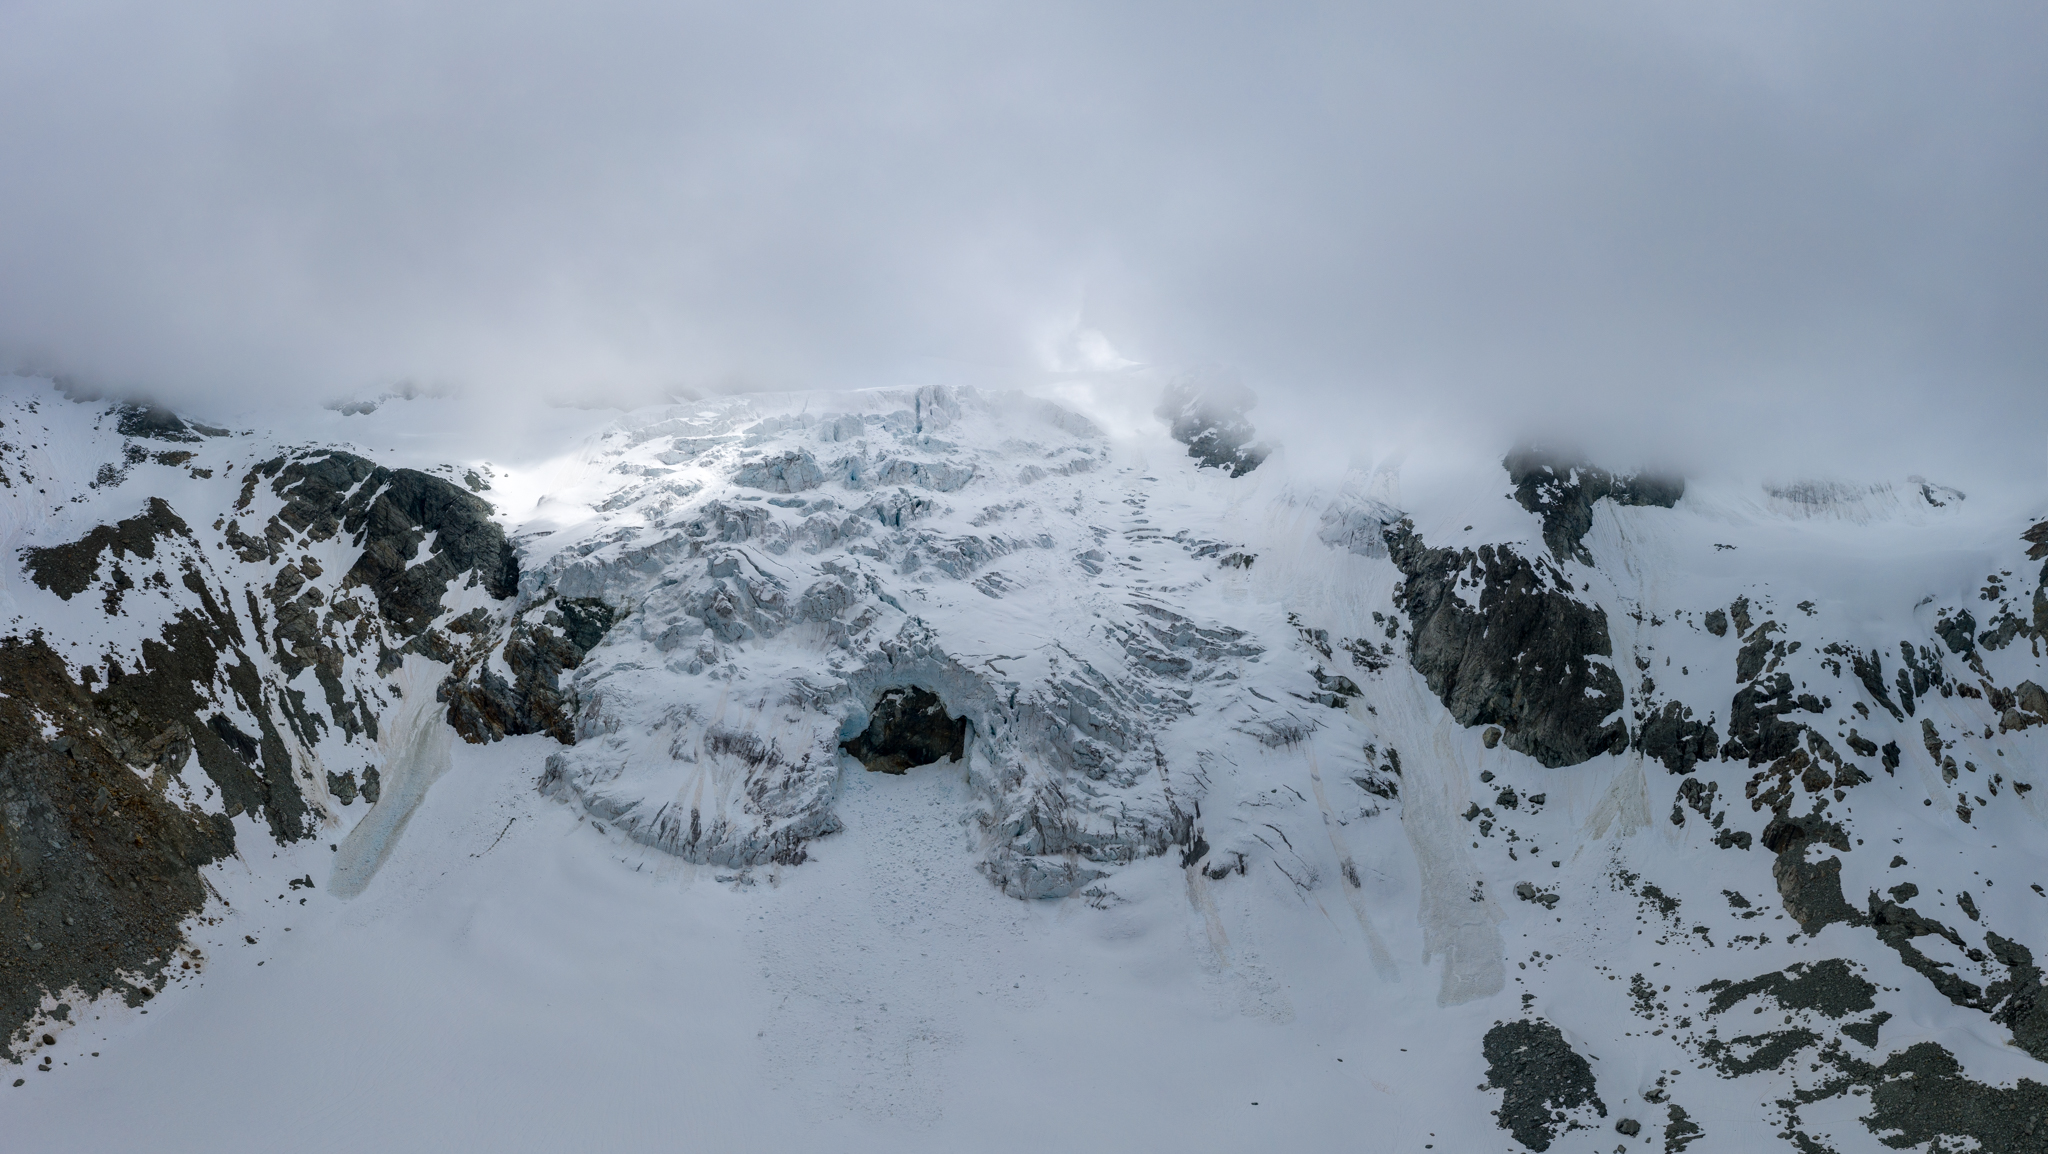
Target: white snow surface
{"type": "Point", "coordinates": [527, 946]}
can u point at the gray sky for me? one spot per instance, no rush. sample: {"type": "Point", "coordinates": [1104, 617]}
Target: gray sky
{"type": "Point", "coordinates": [1803, 228]}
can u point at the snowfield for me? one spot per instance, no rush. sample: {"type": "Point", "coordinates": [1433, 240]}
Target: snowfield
{"type": "Point", "coordinates": [1462, 804]}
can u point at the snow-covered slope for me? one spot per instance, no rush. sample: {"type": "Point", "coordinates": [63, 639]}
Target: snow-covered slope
{"type": "Point", "coordinates": [1542, 808]}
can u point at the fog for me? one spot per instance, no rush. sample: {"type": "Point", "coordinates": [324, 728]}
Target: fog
{"type": "Point", "coordinates": [1808, 236]}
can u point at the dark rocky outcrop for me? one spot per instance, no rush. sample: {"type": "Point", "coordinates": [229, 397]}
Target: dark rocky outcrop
{"type": "Point", "coordinates": [907, 728]}
{"type": "Point", "coordinates": [1757, 729]}
{"type": "Point", "coordinates": [97, 866]}
{"type": "Point", "coordinates": [2018, 1001]}
{"type": "Point", "coordinates": [538, 653]}
{"type": "Point", "coordinates": [390, 513]}
{"type": "Point", "coordinates": [2022, 997]}
{"type": "Point", "coordinates": [1680, 1131]}
{"type": "Point", "coordinates": [159, 423]}
{"type": "Point", "coordinates": [1522, 660]}
{"type": "Point", "coordinates": [1757, 651]}
{"type": "Point", "coordinates": [67, 570]}
{"type": "Point", "coordinates": [342, 786]}
{"type": "Point", "coordinates": [1753, 1053]}
{"type": "Point", "coordinates": [1208, 417]}
{"type": "Point", "coordinates": [98, 863]}
{"type": "Point", "coordinates": [1957, 631]}
{"type": "Point", "coordinates": [1562, 489]}
{"type": "Point", "coordinates": [1869, 669]}
{"type": "Point", "coordinates": [1539, 1075]}
{"type": "Point", "coordinates": [1919, 1097]}
{"type": "Point", "coordinates": [1696, 795]}
{"type": "Point", "coordinates": [2004, 629]}
{"type": "Point", "coordinates": [1831, 988]}
{"type": "Point", "coordinates": [1898, 925]}
{"type": "Point", "coordinates": [1923, 674]}
{"type": "Point", "coordinates": [164, 708]}
{"type": "Point", "coordinates": [1675, 737]}
{"type": "Point", "coordinates": [1811, 891]}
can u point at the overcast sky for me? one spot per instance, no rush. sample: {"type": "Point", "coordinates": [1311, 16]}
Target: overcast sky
{"type": "Point", "coordinates": [1690, 219]}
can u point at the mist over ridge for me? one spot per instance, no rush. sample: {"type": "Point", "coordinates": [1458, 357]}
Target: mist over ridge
{"type": "Point", "coordinates": [1792, 236]}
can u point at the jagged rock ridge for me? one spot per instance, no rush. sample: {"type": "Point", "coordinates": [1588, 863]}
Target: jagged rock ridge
{"type": "Point", "coordinates": [205, 629]}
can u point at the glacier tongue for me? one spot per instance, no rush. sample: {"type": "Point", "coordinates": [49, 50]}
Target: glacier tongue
{"type": "Point", "coordinates": [780, 569]}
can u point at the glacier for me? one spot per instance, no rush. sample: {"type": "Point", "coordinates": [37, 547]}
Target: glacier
{"type": "Point", "coordinates": [1522, 800]}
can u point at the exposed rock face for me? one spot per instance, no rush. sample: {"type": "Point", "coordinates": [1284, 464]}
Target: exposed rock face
{"type": "Point", "coordinates": [1540, 1076]}
{"type": "Point", "coordinates": [906, 728]}
{"type": "Point", "coordinates": [1675, 737]}
{"type": "Point", "coordinates": [1811, 891]}
{"type": "Point", "coordinates": [1208, 416]}
{"type": "Point", "coordinates": [2022, 998]}
{"type": "Point", "coordinates": [1757, 727]}
{"type": "Point", "coordinates": [156, 422]}
{"type": "Point", "coordinates": [1832, 988]}
{"type": "Point", "coordinates": [1920, 1095]}
{"type": "Point", "coordinates": [544, 643]}
{"type": "Point", "coordinates": [2033, 699]}
{"type": "Point", "coordinates": [67, 570]}
{"type": "Point", "coordinates": [98, 868]}
{"type": "Point", "coordinates": [1916, 1096]}
{"type": "Point", "coordinates": [1959, 632]}
{"type": "Point", "coordinates": [1523, 657]}
{"type": "Point", "coordinates": [206, 636]}
{"type": "Point", "coordinates": [391, 513]}
{"type": "Point", "coordinates": [1680, 1131]}
{"type": "Point", "coordinates": [1562, 489]}
{"type": "Point", "coordinates": [2017, 1001]}
{"type": "Point", "coordinates": [170, 697]}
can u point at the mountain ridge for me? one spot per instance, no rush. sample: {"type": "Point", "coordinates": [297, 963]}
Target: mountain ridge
{"type": "Point", "coordinates": [1157, 656]}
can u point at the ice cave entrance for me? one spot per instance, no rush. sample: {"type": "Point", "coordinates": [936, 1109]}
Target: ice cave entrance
{"type": "Point", "coordinates": [908, 727]}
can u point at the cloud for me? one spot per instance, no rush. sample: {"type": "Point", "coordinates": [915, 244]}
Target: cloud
{"type": "Point", "coordinates": [1789, 229]}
